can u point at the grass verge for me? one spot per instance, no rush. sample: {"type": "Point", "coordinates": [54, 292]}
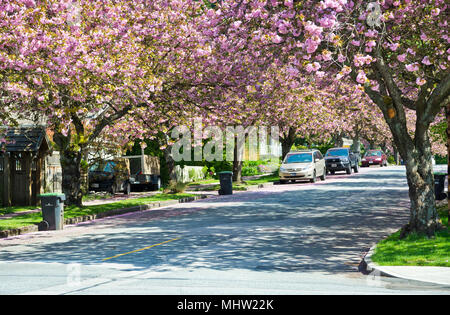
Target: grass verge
{"type": "Point", "coordinates": [243, 186]}
{"type": "Point", "coordinates": [11, 210]}
{"type": "Point", "coordinates": [72, 211]}
{"type": "Point", "coordinates": [416, 250]}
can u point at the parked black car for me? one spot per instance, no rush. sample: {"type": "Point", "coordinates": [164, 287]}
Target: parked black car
{"type": "Point", "coordinates": [341, 159]}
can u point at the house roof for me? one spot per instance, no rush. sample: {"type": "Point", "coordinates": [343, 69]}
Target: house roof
{"type": "Point", "coordinates": [26, 139]}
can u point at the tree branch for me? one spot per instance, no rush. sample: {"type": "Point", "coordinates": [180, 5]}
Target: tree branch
{"type": "Point", "coordinates": [107, 121]}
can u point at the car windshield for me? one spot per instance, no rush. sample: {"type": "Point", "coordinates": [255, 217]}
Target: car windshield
{"type": "Point", "coordinates": [107, 167]}
{"type": "Point", "coordinates": [373, 153]}
{"type": "Point", "coordinates": [337, 152]}
{"type": "Point", "coordinates": [298, 158]}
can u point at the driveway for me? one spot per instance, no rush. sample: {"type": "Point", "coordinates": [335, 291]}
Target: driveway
{"type": "Point", "coordinates": [287, 239]}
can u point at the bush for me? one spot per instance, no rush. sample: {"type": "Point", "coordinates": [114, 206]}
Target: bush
{"type": "Point", "coordinates": [175, 187]}
{"type": "Point", "coordinates": [249, 170]}
{"type": "Point", "coordinates": [440, 159]}
{"type": "Point", "coordinates": [391, 160]}
{"type": "Point", "coordinates": [192, 175]}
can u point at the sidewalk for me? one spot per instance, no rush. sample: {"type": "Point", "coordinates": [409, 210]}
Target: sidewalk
{"type": "Point", "coordinates": [426, 274]}
{"type": "Point", "coordinates": [4, 234]}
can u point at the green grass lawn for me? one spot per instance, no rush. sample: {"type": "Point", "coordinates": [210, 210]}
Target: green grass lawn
{"type": "Point", "coordinates": [243, 186]}
{"type": "Point", "coordinates": [10, 210]}
{"type": "Point", "coordinates": [416, 250]}
{"type": "Point", "coordinates": [203, 182]}
{"type": "Point", "coordinates": [264, 179]}
{"type": "Point", "coordinates": [72, 211]}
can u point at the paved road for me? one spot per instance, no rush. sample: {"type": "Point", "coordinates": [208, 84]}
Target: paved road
{"type": "Point", "coordinates": [287, 239]}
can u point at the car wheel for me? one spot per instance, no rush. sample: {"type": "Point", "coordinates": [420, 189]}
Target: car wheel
{"type": "Point", "coordinates": [349, 170]}
{"type": "Point", "coordinates": [332, 172]}
{"type": "Point", "coordinates": [283, 181]}
{"type": "Point", "coordinates": [324, 176]}
{"type": "Point", "coordinates": [314, 179]}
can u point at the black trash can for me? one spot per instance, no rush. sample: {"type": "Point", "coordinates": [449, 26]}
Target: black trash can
{"type": "Point", "coordinates": [226, 183]}
{"type": "Point", "coordinates": [52, 212]}
{"type": "Point", "coordinates": [439, 186]}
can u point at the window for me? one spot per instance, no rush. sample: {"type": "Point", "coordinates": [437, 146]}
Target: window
{"type": "Point", "coordinates": [18, 165]}
{"type": "Point", "coordinates": [337, 152]}
{"type": "Point", "coordinates": [299, 158]}
{"type": "Point", "coordinates": [34, 165]}
{"type": "Point", "coordinates": [318, 155]}
{"type": "Point", "coordinates": [373, 153]}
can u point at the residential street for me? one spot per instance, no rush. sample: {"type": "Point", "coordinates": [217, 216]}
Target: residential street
{"type": "Point", "coordinates": [287, 239]}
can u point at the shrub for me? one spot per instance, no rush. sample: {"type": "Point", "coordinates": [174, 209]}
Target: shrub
{"type": "Point", "coordinates": [391, 160]}
{"type": "Point", "coordinates": [175, 187]}
{"type": "Point", "coordinates": [250, 170]}
{"type": "Point", "coordinates": [192, 175]}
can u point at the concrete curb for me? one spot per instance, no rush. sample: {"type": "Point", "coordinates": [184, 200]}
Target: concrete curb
{"type": "Point", "coordinates": [374, 269]}
{"type": "Point", "coordinates": [370, 265]}
{"type": "Point", "coordinates": [110, 213]}
{"type": "Point", "coordinates": [248, 188]}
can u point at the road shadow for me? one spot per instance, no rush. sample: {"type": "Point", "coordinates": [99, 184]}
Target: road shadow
{"type": "Point", "coordinates": [321, 228]}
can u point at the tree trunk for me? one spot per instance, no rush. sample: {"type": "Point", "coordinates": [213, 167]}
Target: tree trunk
{"type": "Point", "coordinates": [416, 153]}
{"type": "Point", "coordinates": [396, 158]}
{"type": "Point", "coordinates": [237, 162]}
{"type": "Point", "coordinates": [170, 163]}
{"type": "Point", "coordinates": [339, 140]}
{"type": "Point", "coordinates": [356, 146]}
{"type": "Point", "coordinates": [237, 171]}
{"type": "Point", "coordinates": [71, 177]}
{"type": "Point", "coordinates": [447, 113]}
{"type": "Point", "coordinates": [287, 142]}
{"type": "Point", "coordinates": [423, 214]}
{"type": "Point", "coordinates": [70, 159]}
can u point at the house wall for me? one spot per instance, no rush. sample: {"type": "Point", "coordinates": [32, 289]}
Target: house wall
{"type": "Point", "coordinates": [189, 173]}
{"type": "Point", "coordinates": [52, 174]}
{"type": "Point", "coordinates": [2, 180]}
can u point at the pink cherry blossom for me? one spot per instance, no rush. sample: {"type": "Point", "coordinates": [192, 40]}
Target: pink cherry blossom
{"type": "Point", "coordinates": [412, 67]}
{"type": "Point", "coordinates": [401, 57]}
{"type": "Point", "coordinates": [361, 78]}
{"type": "Point", "coordinates": [420, 81]}
{"type": "Point", "coordinates": [426, 61]}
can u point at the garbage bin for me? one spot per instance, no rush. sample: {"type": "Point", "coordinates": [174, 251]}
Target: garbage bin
{"type": "Point", "coordinates": [52, 212]}
{"type": "Point", "coordinates": [439, 186]}
{"type": "Point", "coordinates": [226, 183]}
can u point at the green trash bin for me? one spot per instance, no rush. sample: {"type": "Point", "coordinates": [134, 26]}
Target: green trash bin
{"type": "Point", "coordinates": [226, 183]}
{"type": "Point", "coordinates": [52, 212]}
{"type": "Point", "coordinates": [439, 186]}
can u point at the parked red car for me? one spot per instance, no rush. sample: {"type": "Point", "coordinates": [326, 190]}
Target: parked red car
{"type": "Point", "coordinates": [374, 157]}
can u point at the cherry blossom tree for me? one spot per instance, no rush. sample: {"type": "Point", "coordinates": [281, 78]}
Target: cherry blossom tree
{"type": "Point", "coordinates": [87, 65]}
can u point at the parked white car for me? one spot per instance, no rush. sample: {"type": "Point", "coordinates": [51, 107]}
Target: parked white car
{"type": "Point", "coordinates": [303, 165]}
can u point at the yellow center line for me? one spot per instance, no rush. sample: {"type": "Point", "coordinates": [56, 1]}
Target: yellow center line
{"type": "Point", "coordinates": [142, 249]}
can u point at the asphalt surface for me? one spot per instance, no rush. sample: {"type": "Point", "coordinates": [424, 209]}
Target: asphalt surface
{"type": "Point", "coordinates": [287, 239]}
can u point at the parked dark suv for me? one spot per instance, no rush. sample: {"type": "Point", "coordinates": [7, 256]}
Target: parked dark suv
{"type": "Point", "coordinates": [110, 176]}
{"type": "Point", "coordinates": [341, 159]}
